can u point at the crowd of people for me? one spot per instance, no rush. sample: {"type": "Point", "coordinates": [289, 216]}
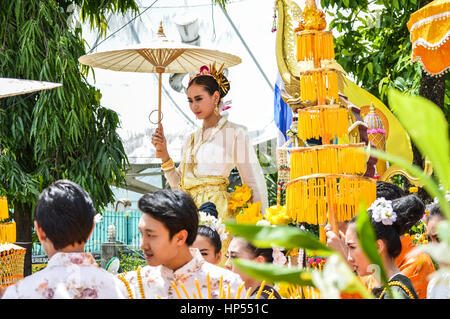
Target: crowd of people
{"type": "Point", "coordinates": [184, 258]}
{"type": "Point", "coordinates": [188, 259]}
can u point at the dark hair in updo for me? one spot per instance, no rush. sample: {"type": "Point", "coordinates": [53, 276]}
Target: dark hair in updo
{"type": "Point", "coordinates": [205, 231]}
{"type": "Point", "coordinates": [256, 252]}
{"type": "Point", "coordinates": [434, 210]}
{"type": "Point", "coordinates": [210, 84]}
{"type": "Point", "coordinates": [409, 210]}
{"type": "Point", "coordinates": [389, 191]}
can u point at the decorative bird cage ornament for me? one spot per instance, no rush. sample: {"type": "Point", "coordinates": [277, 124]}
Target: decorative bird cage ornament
{"type": "Point", "coordinates": [12, 257]}
{"type": "Point", "coordinates": [377, 136]}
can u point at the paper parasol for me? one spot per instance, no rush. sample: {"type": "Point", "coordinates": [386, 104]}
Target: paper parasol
{"type": "Point", "coordinates": [13, 87]}
{"type": "Point", "coordinates": [159, 56]}
{"type": "Point", "coordinates": [429, 29]}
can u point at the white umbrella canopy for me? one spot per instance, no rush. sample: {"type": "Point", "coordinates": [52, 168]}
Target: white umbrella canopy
{"type": "Point", "coordinates": [160, 56]}
{"type": "Point", "coordinates": [170, 56]}
{"type": "Point", "coordinates": [12, 87]}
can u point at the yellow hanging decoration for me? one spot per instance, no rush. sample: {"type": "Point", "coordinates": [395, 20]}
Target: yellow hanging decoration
{"type": "Point", "coordinates": [4, 212]}
{"type": "Point", "coordinates": [7, 232]}
{"type": "Point", "coordinates": [328, 159]}
{"type": "Point", "coordinates": [327, 122]}
{"type": "Point", "coordinates": [309, 203]}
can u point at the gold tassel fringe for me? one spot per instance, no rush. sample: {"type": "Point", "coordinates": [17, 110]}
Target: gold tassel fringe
{"type": "Point", "coordinates": [319, 87]}
{"type": "Point", "coordinates": [4, 213]}
{"type": "Point", "coordinates": [315, 46]}
{"type": "Point", "coordinates": [310, 198]}
{"type": "Point", "coordinates": [328, 159]}
{"type": "Point", "coordinates": [7, 232]}
{"type": "Point", "coordinates": [325, 122]}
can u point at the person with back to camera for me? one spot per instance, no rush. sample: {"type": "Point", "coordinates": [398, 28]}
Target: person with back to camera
{"type": "Point", "coordinates": [214, 150]}
{"type": "Point", "coordinates": [210, 235]}
{"type": "Point", "coordinates": [387, 218]}
{"type": "Point", "coordinates": [168, 226]}
{"type": "Point", "coordinates": [64, 220]}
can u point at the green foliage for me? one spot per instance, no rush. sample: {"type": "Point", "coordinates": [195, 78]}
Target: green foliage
{"type": "Point", "coordinates": [367, 240]}
{"type": "Point", "coordinates": [415, 114]}
{"type": "Point", "coordinates": [267, 163]}
{"type": "Point", "coordinates": [431, 140]}
{"type": "Point", "coordinates": [374, 45]}
{"type": "Point", "coordinates": [287, 237]}
{"type": "Point", "coordinates": [274, 273]}
{"type": "Point", "coordinates": [130, 260]}
{"type": "Point", "coordinates": [59, 133]}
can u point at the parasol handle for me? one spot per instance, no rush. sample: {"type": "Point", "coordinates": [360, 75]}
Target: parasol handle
{"type": "Point", "coordinates": [160, 71]}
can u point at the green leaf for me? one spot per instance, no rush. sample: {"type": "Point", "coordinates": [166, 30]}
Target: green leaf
{"type": "Point", "coordinates": [426, 125]}
{"type": "Point", "coordinates": [274, 273]}
{"type": "Point", "coordinates": [428, 183]}
{"type": "Point", "coordinates": [443, 229]}
{"type": "Point", "coordinates": [367, 240]}
{"type": "Point", "coordinates": [287, 237]}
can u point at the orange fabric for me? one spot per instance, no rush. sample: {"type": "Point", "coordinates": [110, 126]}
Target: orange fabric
{"type": "Point", "coordinates": [434, 61]}
{"type": "Point", "coordinates": [431, 9]}
{"type": "Point", "coordinates": [417, 268]}
{"type": "Point", "coordinates": [429, 34]}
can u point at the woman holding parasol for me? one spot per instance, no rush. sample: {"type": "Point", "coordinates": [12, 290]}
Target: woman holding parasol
{"type": "Point", "coordinates": [211, 152]}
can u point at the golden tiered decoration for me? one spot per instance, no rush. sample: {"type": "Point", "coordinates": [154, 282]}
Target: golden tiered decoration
{"type": "Point", "coordinates": [327, 181]}
{"type": "Point", "coordinates": [12, 257]}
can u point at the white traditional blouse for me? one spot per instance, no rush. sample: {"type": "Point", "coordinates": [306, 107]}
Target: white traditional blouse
{"type": "Point", "coordinates": [216, 151]}
{"type": "Point", "coordinates": [68, 276]}
{"type": "Point", "coordinates": [190, 281]}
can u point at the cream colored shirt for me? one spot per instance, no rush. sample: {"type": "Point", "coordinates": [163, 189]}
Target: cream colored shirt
{"type": "Point", "coordinates": [157, 281]}
{"type": "Point", "coordinates": [222, 148]}
{"type": "Point", "coordinates": [68, 276]}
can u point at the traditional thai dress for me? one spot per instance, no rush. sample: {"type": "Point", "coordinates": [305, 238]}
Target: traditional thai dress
{"type": "Point", "coordinates": [400, 284]}
{"type": "Point", "coordinates": [196, 279]}
{"type": "Point", "coordinates": [417, 268]}
{"type": "Point", "coordinates": [209, 155]}
{"type": "Point", "coordinates": [68, 276]}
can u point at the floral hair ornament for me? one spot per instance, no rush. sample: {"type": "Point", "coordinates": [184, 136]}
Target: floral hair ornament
{"type": "Point", "coordinates": [213, 223]}
{"type": "Point", "coordinates": [278, 256]}
{"type": "Point", "coordinates": [220, 78]}
{"type": "Point", "coordinates": [382, 211]}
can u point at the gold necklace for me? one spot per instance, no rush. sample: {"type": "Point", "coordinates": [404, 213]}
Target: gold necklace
{"type": "Point", "coordinates": [127, 285]}
{"type": "Point", "coordinates": [195, 147]}
{"type": "Point", "coordinates": [139, 278]}
{"type": "Point", "coordinates": [397, 283]}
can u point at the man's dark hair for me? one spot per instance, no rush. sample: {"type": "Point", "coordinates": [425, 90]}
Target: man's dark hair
{"type": "Point", "coordinates": [65, 213]}
{"type": "Point", "coordinates": [175, 209]}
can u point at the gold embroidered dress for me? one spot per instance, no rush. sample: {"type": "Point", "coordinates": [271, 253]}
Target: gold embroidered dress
{"type": "Point", "coordinates": [208, 158]}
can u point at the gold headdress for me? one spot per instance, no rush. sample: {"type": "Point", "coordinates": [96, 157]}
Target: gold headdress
{"type": "Point", "coordinates": [218, 75]}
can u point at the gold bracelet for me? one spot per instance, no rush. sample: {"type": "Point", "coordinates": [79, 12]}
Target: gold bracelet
{"type": "Point", "coordinates": [167, 164]}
